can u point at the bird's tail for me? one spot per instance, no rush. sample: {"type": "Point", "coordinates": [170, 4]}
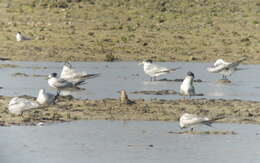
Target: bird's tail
{"type": "Point", "coordinates": [82, 82]}
{"type": "Point", "coordinates": [169, 70]}
{"type": "Point", "coordinates": [217, 118]}
{"type": "Point", "coordinates": [209, 122]}
{"type": "Point", "coordinates": [174, 69]}
{"type": "Point", "coordinates": [90, 76]}
{"type": "Point", "coordinates": [242, 59]}
{"type": "Point", "coordinates": [239, 61]}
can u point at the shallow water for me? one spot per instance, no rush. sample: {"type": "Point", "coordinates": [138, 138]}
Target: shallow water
{"type": "Point", "coordinates": [125, 142]}
{"type": "Point", "coordinates": [130, 76]}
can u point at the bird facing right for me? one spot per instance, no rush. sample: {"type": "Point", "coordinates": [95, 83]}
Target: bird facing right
{"type": "Point", "coordinates": [225, 68]}
{"type": "Point", "coordinates": [46, 98]}
{"type": "Point", "coordinates": [187, 88]}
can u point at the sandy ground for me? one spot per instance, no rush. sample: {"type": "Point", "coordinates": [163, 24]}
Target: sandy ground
{"type": "Point", "coordinates": [70, 109]}
{"type": "Point", "coordinates": [109, 30]}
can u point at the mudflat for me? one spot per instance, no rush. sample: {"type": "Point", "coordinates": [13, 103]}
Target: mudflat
{"type": "Point", "coordinates": [69, 109]}
{"type": "Point", "coordinates": [110, 30]}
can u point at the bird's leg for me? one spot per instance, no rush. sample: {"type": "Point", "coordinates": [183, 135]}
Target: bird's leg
{"type": "Point", "coordinates": [224, 77]}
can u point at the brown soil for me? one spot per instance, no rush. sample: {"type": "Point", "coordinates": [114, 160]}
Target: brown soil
{"type": "Point", "coordinates": [109, 30]}
{"type": "Point", "coordinates": [69, 109]}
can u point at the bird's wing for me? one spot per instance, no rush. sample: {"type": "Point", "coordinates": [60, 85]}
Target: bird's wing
{"type": "Point", "coordinates": [68, 72]}
{"type": "Point", "coordinates": [166, 70]}
{"type": "Point", "coordinates": [218, 68]}
{"type": "Point", "coordinates": [23, 103]}
{"type": "Point", "coordinates": [225, 66]}
{"type": "Point", "coordinates": [62, 83]}
{"type": "Point", "coordinates": [156, 69]}
{"type": "Point", "coordinates": [236, 63]}
{"type": "Point", "coordinates": [89, 76]}
{"type": "Point", "coordinates": [194, 119]}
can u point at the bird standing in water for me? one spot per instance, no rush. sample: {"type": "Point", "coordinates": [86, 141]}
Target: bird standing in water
{"type": "Point", "coordinates": [225, 68]}
{"type": "Point", "coordinates": [187, 88]}
{"type": "Point", "coordinates": [154, 70]}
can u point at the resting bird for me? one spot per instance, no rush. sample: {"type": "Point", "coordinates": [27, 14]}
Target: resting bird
{"type": "Point", "coordinates": [60, 83]}
{"type": "Point", "coordinates": [70, 74]}
{"type": "Point", "coordinates": [187, 88]}
{"type": "Point", "coordinates": [225, 68]}
{"type": "Point", "coordinates": [154, 70]}
{"type": "Point", "coordinates": [20, 37]}
{"type": "Point", "coordinates": [191, 120]}
{"type": "Point", "coordinates": [46, 98]}
{"type": "Point", "coordinates": [18, 105]}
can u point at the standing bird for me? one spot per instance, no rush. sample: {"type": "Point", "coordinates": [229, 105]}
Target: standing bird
{"type": "Point", "coordinates": [154, 70]}
{"type": "Point", "coordinates": [191, 120]}
{"type": "Point", "coordinates": [187, 88]}
{"type": "Point", "coordinates": [18, 105]}
{"type": "Point", "coordinates": [46, 98]}
{"type": "Point", "coordinates": [60, 83]}
{"type": "Point", "coordinates": [20, 37]}
{"type": "Point", "coordinates": [70, 74]}
{"type": "Point", "coordinates": [225, 68]}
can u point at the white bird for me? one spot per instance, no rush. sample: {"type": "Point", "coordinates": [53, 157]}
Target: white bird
{"type": "Point", "coordinates": [154, 70]}
{"type": "Point", "coordinates": [191, 120]}
{"type": "Point", "coordinates": [46, 98]}
{"type": "Point", "coordinates": [225, 68]}
{"type": "Point", "coordinates": [70, 74]}
{"type": "Point", "coordinates": [60, 83]}
{"type": "Point", "coordinates": [187, 88]}
{"type": "Point", "coordinates": [18, 105]}
{"type": "Point", "coordinates": [20, 37]}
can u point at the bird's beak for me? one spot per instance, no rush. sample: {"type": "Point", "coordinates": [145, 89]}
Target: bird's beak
{"type": "Point", "coordinates": [140, 63]}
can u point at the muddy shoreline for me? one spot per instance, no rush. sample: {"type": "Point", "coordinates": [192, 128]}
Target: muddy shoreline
{"type": "Point", "coordinates": [70, 109]}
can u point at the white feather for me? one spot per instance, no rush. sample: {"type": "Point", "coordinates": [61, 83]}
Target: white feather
{"type": "Point", "coordinates": [190, 120]}
{"type": "Point", "coordinates": [18, 105]}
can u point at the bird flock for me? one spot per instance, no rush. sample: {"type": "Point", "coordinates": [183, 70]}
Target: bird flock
{"type": "Point", "coordinates": [187, 88]}
{"type": "Point", "coordinates": [69, 78]}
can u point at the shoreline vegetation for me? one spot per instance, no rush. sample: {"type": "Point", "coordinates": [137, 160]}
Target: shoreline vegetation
{"type": "Point", "coordinates": [121, 30]}
{"type": "Point", "coordinates": [69, 109]}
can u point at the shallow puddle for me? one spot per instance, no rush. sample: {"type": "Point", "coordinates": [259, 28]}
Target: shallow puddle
{"type": "Point", "coordinates": [116, 76]}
